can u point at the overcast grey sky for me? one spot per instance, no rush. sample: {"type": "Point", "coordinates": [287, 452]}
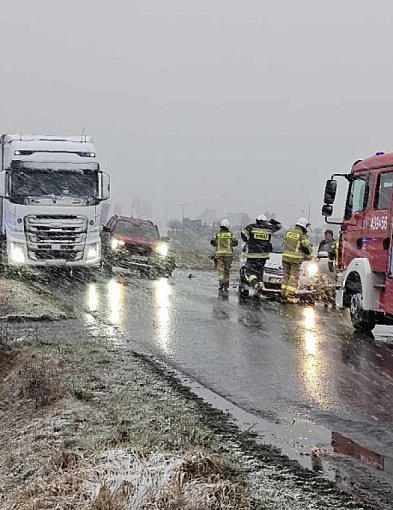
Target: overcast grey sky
{"type": "Point", "coordinates": [240, 105]}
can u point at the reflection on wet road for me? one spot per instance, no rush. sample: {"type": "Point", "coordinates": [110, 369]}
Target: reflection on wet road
{"type": "Point", "coordinates": [291, 364]}
{"type": "Point", "coordinates": [162, 313]}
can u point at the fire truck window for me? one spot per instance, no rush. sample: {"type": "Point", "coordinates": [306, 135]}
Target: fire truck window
{"type": "Point", "coordinates": [369, 191]}
{"type": "Point", "coordinates": [357, 198]}
{"type": "Point", "coordinates": [385, 188]}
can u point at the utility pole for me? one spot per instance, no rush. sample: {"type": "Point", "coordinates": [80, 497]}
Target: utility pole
{"type": "Point", "coordinates": [183, 206]}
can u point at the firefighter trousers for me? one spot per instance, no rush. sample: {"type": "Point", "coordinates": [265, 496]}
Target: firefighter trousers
{"type": "Point", "coordinates": [291, 279]}
{"type": "Point", "coordinates": [224, 265]}
{"type": "Point", "coordinates": [255, 268]}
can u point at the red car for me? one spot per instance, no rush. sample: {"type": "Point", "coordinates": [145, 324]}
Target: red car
{"type": "Point", "coordinates": [136, 244]}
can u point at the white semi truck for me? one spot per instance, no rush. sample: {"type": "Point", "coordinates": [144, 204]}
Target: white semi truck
{"type": "Point", "coordinates": [51, 191]}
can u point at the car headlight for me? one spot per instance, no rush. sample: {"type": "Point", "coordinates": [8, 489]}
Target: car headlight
{"type": "Point", "coordinates": [17, 253]}
{"type": "Point", "coordinates": [312, 269]}
{"type": "Point", "coordinates": [117, 243]}
{"type": "Point", "coordinates": [162, 249]}
{"type": "Point", "coordinates": [93, 252]}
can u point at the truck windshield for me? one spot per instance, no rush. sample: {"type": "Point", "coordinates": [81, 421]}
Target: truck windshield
{"type": "Point", "coordinates": [39, 182]}
{"type": "Point", "coordinates": [143, 231]}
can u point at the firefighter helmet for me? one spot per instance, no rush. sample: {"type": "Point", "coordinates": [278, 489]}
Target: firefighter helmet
{"type": "Point", "coordinates": [225, 223]}
{"type": "Point", "coordinates": [303, 222]}
{"type": "Point", "coordinates": [261, 217]}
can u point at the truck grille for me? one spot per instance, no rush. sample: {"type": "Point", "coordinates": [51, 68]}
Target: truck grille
{"type": "Point", "coordinates": [55, 237]}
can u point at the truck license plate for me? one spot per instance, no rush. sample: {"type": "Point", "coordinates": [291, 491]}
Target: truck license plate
{"type": "Point", "coordinates": [274, 280]}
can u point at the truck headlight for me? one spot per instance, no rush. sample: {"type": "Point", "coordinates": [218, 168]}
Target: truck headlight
{"type": "Point", "coordinates": [312, 269]}
{"type": "Point", "coordinates": [117, 243]}
{"type": "Point", "coordinates": [17, 253]}
{"type": "Point", "coordinates": [162, 249]}
{"type": "Point", "coordinates": [93, 252]}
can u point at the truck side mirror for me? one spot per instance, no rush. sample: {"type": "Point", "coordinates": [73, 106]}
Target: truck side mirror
{"type": "Point", "coordinates": [330, 192]}
{"type": "Point", "coordinates": [3, 185]}
{"type": "Point", "coordinates": [327, 210]}
{"type": "Point", "coordinates": [105, 187]}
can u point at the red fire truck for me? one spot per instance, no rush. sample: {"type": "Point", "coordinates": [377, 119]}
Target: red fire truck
{"type": "Point", "coordinates": [365, 257]}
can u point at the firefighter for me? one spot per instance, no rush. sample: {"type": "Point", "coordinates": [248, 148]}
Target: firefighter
{"type": "Point", "coordinates": [327, 282]}
{"type": "Point", "coordinates": [257, 237]}
{"type": "Point", "coordinates": [296, 249]}
{"type": "Point", "coordinates": [328, 244]}
{"type": "Point", "coordinates": [224, 242]}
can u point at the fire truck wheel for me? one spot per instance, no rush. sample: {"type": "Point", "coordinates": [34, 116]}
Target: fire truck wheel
{"type": "Point", "coordinates": [362, 320]}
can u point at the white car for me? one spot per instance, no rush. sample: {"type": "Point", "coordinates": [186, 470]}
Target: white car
{"type": "Point", "coordinates": [273, 274]}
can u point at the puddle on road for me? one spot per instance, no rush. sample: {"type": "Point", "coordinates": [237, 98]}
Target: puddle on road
{"type": "Point", "coordinates": [313, 446]}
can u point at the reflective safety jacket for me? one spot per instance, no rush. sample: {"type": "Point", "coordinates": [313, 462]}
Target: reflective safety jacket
{"type": "Point", "coordinates": [258, 238]}
{"type": "Point", "coordinates": [297, 246]}
{"type": "Point", "coordinates": [224, 242]}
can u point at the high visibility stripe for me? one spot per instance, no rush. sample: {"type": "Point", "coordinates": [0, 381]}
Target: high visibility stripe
{"type": "Point", "coordinates": [257, 255]}
{"type": "Point", "coordinates": [292, 256]}
{"type": "Point", "coordinates": [292, 235]}
{"type": "Point", "coordinates": [290, 288]}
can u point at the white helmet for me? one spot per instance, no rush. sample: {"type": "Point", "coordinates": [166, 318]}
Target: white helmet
{"type": "Point", "coordinates": [261, 217]}
{"type": "Point", "coordinates": [225, 223]}
{"type": "Point", "coordinates": [303, 222]}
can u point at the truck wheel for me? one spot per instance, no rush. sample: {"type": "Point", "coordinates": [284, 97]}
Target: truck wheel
{"type": "Point", "coordinates": [362, 320]}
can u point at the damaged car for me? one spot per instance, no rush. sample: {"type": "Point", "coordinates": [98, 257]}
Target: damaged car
{"type": "Point", "coordinates": [136, 244]}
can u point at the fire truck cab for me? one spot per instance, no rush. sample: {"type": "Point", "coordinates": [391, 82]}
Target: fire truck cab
{"type": "Point", "coordinates": [365, 251]}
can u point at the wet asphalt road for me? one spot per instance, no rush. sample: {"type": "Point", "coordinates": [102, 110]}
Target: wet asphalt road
{"type": "Point", "coordinates": [292, 365]}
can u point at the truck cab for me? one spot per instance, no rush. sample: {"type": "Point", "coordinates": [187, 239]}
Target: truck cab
{"type": "Point", "coordinates": [365, 267]}
{"type": "Point", "coordinates": [51, 191]}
